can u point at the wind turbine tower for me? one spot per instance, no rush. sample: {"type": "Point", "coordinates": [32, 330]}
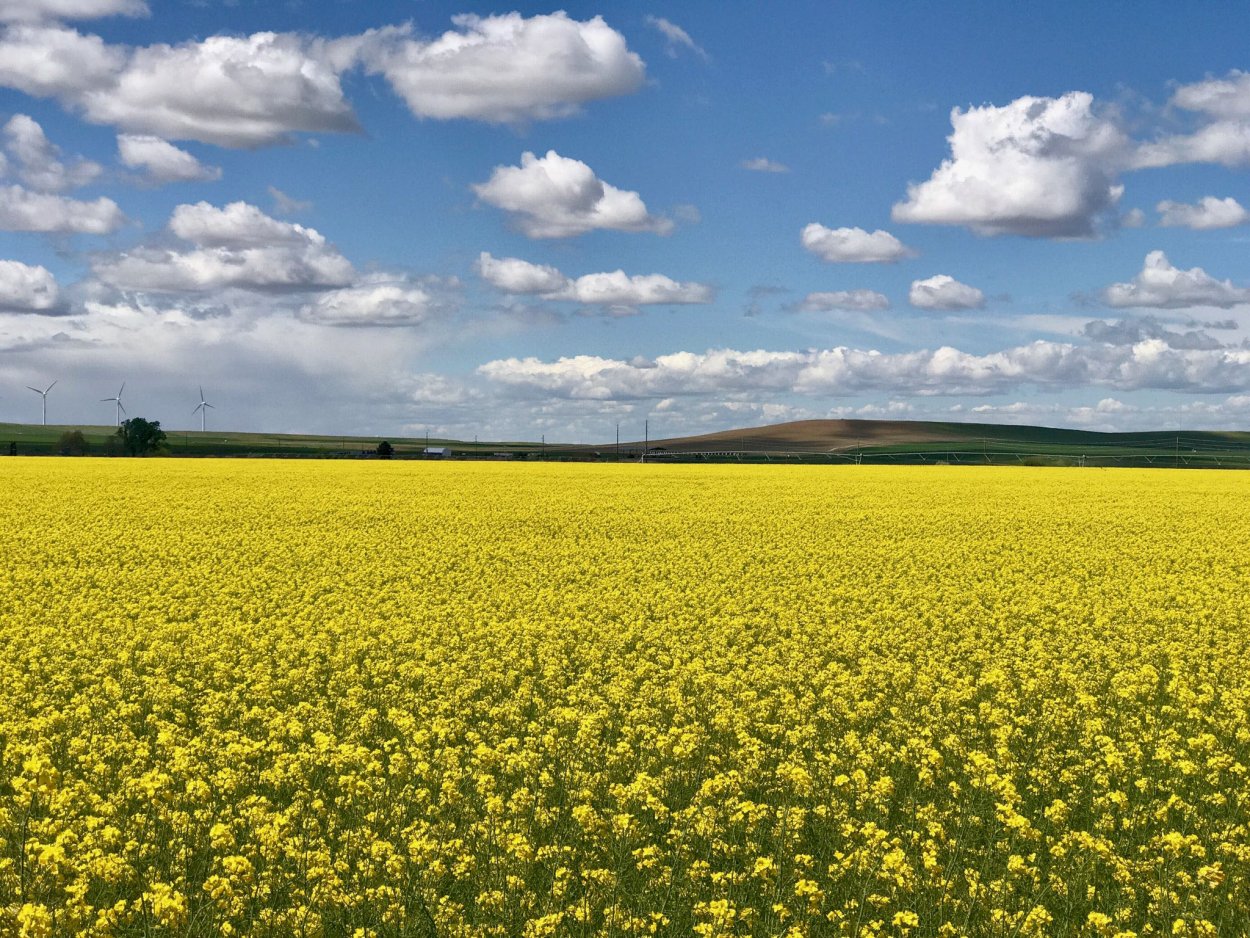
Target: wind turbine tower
{"type": "Point", "coordinates": [202, 407]}
{"type": "Point", "coordinates": [44, 395]}
{"type": "Point", "coordinates": [117, 400]}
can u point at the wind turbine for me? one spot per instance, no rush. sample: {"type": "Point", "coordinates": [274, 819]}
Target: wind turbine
{"type": "Point", "coordinates": [118, 400]}
{"type": "Point", "coordinates": [202, 407]}
{"type": "Point", "coordinates": [44, 395]}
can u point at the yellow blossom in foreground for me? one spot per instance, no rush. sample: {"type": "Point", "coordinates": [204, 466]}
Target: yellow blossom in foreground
{"type": "Point", "coordinates": [289, 698]}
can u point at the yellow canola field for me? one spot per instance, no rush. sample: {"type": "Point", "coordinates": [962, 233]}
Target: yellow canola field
{"type": "Point", "coordinates": [315, 698]}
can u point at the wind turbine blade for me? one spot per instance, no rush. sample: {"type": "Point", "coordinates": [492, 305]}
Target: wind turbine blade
{"type": "Point", "coordinates": [123, 409]}
{"type": "Point", "coordinates": [123, 387]}
{"type": "Point", "coordinates": [107, 400]}
{"type": "Point", "coordinates": [51, 386]}
{"type": "Point", "coordinates": [197, 407]}
{"type": "Point", "coordinates": [36, 390]}
{"type": "Point", "coordinates": [207, 404]}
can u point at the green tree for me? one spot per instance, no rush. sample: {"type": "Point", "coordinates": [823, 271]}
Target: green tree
{"type": "Point", "coordinates": [140, 437]}
{"type": "Point", "coordinates": [72, 443]}
{"type": "Point", "coordinates": [385, 450]}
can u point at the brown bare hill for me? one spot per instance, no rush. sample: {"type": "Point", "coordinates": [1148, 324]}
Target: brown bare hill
{"type": "Point", "coordinates": [817, 435]}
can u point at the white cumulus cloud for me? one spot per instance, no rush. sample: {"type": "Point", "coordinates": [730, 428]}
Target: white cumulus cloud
{"type": "Point", "coordinates": [1224, 142]}
{"type": "Point", "coordinates": [609, 289]}
{"type": "Point", "coordinates": [53, 61]}
{"type": "Point", "coordinates": [946, 370]}
{"type": "Point", "coordinates": [254, 91]}
{"type": "Point", "coordinates": [231, 91]}
{"type": "Point", "coordinates": [28, 289]}
{"type": "Point", "coordinates": [853, 245]}
{"type": "Point", "coordinates": [161, 161]}
{"type": "Point", "coordinates": [859, 300]}
{"type": "Point", "coordinates": [39, 160]}
{"type": "Point", "coordinates": [506, 69]}
{"type": "Point", "coordinates": [616, 288]}
{"type": "Point", "coordinates": [1162, 286]}
{"type": "Point", "coordinates": [944, 292]}
{"type": "Point", "coordinates": [1039, 167]}
{"type": "Point", "coordinates": [377, 301]}
{"type": "Point", "coordinates": [1225, 139]}
{"type": "Point", "coordinates": [1227, 97]}
{"type": "Point", "coordinates": [236, 246]}
{"type": "Point", "coordinates": [24, 210]}
{"type": "Point", "coordinates": [1209, 212]}
{"type": "Point", "coordinates": [557, 197]}
{"type": "Point", "coordinates": [513, 275]}
{"type": "Point", "coordinates": [238, 224]}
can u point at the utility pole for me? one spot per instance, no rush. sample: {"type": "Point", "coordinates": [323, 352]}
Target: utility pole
{"type": "Point", "coordinates": [618, 441]}
{"type": "Point", "coordinates": [544, 447]}
{"type": "Point", "coordinates": [646, 438]}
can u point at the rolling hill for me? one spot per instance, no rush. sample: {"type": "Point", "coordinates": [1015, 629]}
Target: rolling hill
{"type": "Point", "coordinates": [804, 441]}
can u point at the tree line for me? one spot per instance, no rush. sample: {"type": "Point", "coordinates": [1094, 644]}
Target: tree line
{"type": "Point", "coordinates": [134, 437]}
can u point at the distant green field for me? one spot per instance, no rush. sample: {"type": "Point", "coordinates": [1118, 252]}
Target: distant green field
{"type": "Point", "coordinates": [810, 442]}
{"type": "Point", "coordinates": [35, 440]}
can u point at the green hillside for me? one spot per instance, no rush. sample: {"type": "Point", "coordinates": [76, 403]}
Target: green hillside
{"type": "Point", "coordinates": [808, 441]}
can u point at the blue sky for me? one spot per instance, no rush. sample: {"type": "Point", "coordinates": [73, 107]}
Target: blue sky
{"type": "Point", "coordinates": [511, 221]}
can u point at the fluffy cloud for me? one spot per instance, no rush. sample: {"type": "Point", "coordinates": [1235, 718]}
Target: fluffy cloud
{"type": "Point", "coordinates": [1227, 98]}
{"type": "Point", "coordinates": [858, 300]}
{"type": "Point", "coordinates": [1209, 212]}
{"type": "Point", "coordinates": [27, 289]}
{"type": "Point", "coordinates": [1040, 167]}
{"type": "Point", "coordinates": [506, 69]}
{"type": "Point", "coordinates": [616, 288]}
{"type": "Point", "coordinates": [513, 275]}
{"type": "Point", "coordinates": [1225, 139]}
{"type": "Point", "coordinates": [1147, 364]}
{"type": "Point", "coordinates": [1224, 142]}
{"type": "Point", "coordinates": [23, 210]}
{"type": "Point", "coordinates": [611, 289]}
{"type": "Point", "coordinates": [235, 92]}
{"type": "Point", "coordinates": [676, 37]}
{"type": "Point", "coordinates": [557, 197]}
{"type": "Point", "coordinates": [51, 61]}
{"type": "Point", "coordinates": [853, 245]}
{"type": "Point", "coordinates": [161, 161]}
{"type": "Point", "coordinates": [38, 159]}
{"type": "Point", "coordinates": [236, 246]}
{"type": "Point", "coordinates": [1162, 286]}
{"type": "Point", "coordinates": [239, 224]}
{"type": "Point", "coordinates": [257, 90]}
{"type": "Point", "coordinates": [376, 302]}
{"type": "Point", "coordinates": [32, 11]}
{"type": "Point", "coordinates": [944, 292]}
{"type": "Point", "coordinates": [762, 164]}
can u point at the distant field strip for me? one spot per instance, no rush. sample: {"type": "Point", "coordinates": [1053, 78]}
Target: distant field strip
{"type": "Point", "coordinates": [458, 699]}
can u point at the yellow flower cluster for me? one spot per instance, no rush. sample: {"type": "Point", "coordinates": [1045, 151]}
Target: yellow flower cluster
{"type": "Point", "coordinates": [384, 699]}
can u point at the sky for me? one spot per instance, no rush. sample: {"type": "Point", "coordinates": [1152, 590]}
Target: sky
{"type": "Point", "coordinates": [393, 218]}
